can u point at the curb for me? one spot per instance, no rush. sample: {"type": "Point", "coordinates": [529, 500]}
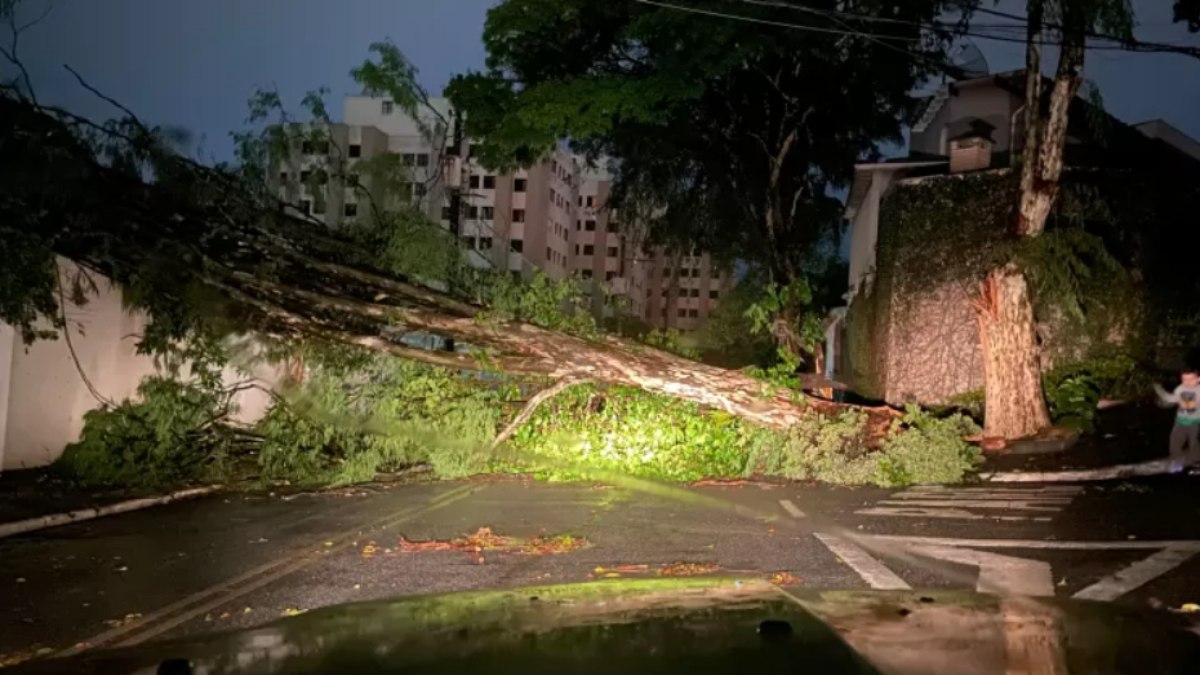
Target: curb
{"type": "Point", "coordinates": [1157, 467]}
{"type": "Point", "coordinates": [56, 519]}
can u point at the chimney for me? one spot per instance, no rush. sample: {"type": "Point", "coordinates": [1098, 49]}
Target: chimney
{"type": "Point", "coordinates": [972, 150]}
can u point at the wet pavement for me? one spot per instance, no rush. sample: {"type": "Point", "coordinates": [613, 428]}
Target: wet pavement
{"type": "Point", "coordinates": [236, 560]}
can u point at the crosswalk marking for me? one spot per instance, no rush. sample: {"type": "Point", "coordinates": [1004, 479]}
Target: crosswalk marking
{"type": "Point", "coordinates": [1007, 574]}
{"type": "Point", "coordinates": [999, 574]}
{"type": "Point", "coordinates": [875, 573]}
{"type": "Point", "coordinates": [966, 503]}
{"type": "Point", "coordinates": [791, 508]}
{"type": "Point", "coordinates": [1137, 574]}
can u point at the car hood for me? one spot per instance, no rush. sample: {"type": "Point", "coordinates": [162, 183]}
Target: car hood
{"type": "Point", "coordinates": [682, 625]}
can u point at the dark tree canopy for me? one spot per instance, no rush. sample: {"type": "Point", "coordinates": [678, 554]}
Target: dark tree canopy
{"type": "Point", "coordinates": [727, 134]}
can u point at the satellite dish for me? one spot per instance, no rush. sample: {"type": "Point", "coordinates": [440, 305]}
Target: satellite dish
{"type": "Point", "coordinates": [967, 58]}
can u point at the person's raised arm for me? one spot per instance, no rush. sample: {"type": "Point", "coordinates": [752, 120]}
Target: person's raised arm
{"type": "Point", "coordinates": [1164, 395]}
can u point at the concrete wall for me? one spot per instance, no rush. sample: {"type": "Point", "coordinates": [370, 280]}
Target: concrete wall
{"type": "Point", "coordinates": [43, 397]}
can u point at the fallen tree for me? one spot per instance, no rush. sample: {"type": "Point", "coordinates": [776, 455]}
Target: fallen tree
{"type": "Point", "coordinates": [198, 249]}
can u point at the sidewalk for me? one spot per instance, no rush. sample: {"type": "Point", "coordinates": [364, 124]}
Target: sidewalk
{"type": "Point", "coordinates": [1126, 434]}
{"type": "Point", "coordinates": [29, 493]}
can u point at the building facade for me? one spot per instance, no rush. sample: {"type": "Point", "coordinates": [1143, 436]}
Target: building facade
{"type": "Point", "coordinates": [553, 217]}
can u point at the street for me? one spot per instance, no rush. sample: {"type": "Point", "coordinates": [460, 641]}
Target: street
{"type": "Point", "coordinates": [234, 560]}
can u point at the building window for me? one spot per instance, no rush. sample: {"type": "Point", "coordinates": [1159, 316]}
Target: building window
{"type": "Point", "coordinates": [410, 159]}
{"type": "Point", "coordinates": [304, 176]}
{"type": "Point", "coordinates": [612, 251]}
{"type": "Point", "coordinates": [695, 272]}
{"type": "Point", "coordinates": [715, 273]}
{"type": "Point", "coordinates": [586, 274]}
{"type": "Point", "coordinates": [518, 215]}
{"type": "Point", "coordinates": [682, 313]}
{"type": "Point", "coordinates": [446, 213]}
{"type": "Point", "coordinates": [611, 226]}
{"type": "Point", "coordinates": [591, 201]}
{"type": "Point", "coordinates": [473, 212]}
{"type": "Point", "coordinates": [692, 313]}
{"type": "Point", "coordinates": [666, 272]}
{"type": "Point", "coordinates": [576, 249]}
{"type": "Point", "coordinates": [713, 295]}
{"type": "Point", "coordinates": [695, 292]}
{"type": "Point", "coordinates": [305, 206]}
{"type": "Point", "coordinates": [283, 176]}
{"type": "Point", "coordinates": [665, 291]}
{"type": "Point", "coordinates": [423, 159]}
{"type": "Point", "coordinates": [485, 243]}
{"type": "Point", "coordinates": [469, 241]}
{"type": "Point", "coordinates": [518, 185]}
{"type": "Point", "coordinates": [306, 147]}
{"type": "Point", "coordinates": [318, 207]}
{"type": "Point", "coordinates": [552, 195]}
{"type": "Point", "coordinates": [350, 210]}
{"type": "Point", "coordinates": [578, 225]}
{"type": "Point", "coordinates": [609, 276]}
{"type": "Point", "coordinates": [516, 245]}
{"type": "Point", "coordinates": [352, 179]}
{"type": "Point", "coordinates": [355, 150]}
{"type": "Point", "coordinates": [418, 190]}
{"type": "Point", "coordinates": [589, 225]}
{"type": "Point", "coordinates": [489, 182]}
{"type": "Point", "coordinates": [487, 212]}
{"type": "Point", "coordinates": [472, 149]}
{"type": "Point", "coordinates": [588, 249]}
{"type": "Point", "coordinates": [387, 107]}
{"type": "Point", "coordinates": [549, 254]}
{"type": "Point", "coordinates": [474, 182]}
{"type": "Point", "coordinates": [579, 201]}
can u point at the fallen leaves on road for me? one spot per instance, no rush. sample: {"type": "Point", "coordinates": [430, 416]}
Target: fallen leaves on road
{"type": "Point", "coordinates": [13, 658]}
{"type": "Point", "coordinates": [293, 611]}
{"type": "Point", "coordinates": [784, 578]}
{"type": "Point", "coordinates": [687, 569]}
{"type": "Point", "coordinates": [123, 621]}
{"type": "Point", "coordinates": [485, 540]}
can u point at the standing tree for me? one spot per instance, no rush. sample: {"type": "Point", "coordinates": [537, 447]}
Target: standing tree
{"type": "Point", "coordinates": [1008, 332]}
{"type": "Point", "coordinates": [728, 132]}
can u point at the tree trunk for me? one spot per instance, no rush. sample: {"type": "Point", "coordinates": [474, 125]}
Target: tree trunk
{"type": "Point", "coordinates": [1012, 376]}
{"type": "Point", "coordinates": [1015, 405]}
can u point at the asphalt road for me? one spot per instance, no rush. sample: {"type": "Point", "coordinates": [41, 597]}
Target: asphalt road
{"type": "Point", "coordinates": [236, 560]}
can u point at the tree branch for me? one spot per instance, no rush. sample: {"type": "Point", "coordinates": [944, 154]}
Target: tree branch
{"type": "Point", "coordinates": [531, 407]}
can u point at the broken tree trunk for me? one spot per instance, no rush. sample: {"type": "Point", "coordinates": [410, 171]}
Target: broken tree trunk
{"type": "Point", "coordinates": [1011, 367]}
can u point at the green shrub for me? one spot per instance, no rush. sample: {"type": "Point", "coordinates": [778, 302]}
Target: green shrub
{"type": "Point", "coordinates": [1073, 390]}
{"type": "Point", "coordinates": [629, 431]}
{"type": "Point", "coordinates": [347, 425]}
{"type": "Point", "coordinates": [165, 437]}
{"type": "Point", "coordinates": [670, 340]}
{"type": "Point", "coordinates": [926, 449]}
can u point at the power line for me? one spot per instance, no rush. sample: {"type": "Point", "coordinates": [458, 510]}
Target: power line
{"type": "Point", "coordinates": [1140, 47]}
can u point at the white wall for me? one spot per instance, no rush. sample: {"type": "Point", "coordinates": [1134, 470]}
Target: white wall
{"type": "Point", "coordinates": [43, 396]}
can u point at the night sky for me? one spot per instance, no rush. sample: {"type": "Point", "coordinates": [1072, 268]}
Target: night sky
{"type": "Point", "coordinates": [193, 63]}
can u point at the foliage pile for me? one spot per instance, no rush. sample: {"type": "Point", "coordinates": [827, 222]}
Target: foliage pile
{"type": "Point", "coordinates": [357, 415]}
{"type": "Point", "coordinates": [586, 432]}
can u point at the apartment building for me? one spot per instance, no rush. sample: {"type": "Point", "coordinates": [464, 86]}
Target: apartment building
{"type": "Point", "coordinates": [553, 216]}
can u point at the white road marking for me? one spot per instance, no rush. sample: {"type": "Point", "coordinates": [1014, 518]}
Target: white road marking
{"type": "Point", "coordinates": [934, 501]}
{"type": "Point", "coordinates": [871, 570]}
{"type": "Point", "coordinates": [1004, 574]}
{"type": "Point", "coordinates": [1047, 491]}
{"type": "Point", "coordinates": [1128, 545]}
{"type": "Point", "coordinates": [1016, 505]}
{"type": "Point", "coordinates": [999, 574]}
{"type": "Point", "coordinates": [791, 508]}
{"type": "Point", "coordinates": [1137, 574]}
{"type": "Point", "coordinates": [916, 512]}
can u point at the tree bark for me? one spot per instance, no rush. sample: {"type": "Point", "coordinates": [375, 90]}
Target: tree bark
{"type": "Point", "coordinates": [1015, 406]}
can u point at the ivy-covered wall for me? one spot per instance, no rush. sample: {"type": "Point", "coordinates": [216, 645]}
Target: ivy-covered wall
{"type": "Point", "coordinates": [1105, 277]}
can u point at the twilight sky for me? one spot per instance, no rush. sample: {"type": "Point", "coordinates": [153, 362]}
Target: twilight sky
{"type": "Point", "coordinates": [193, 63]}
